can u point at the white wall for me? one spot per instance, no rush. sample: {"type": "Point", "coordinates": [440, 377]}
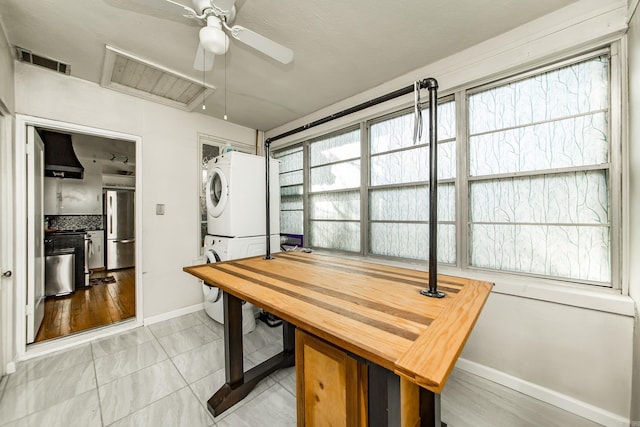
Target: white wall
{"type": "Point", "coordinates": [7, 102]}
{"type": "Point", "coordinates": [634, 186]}
{"type": "Point", "coordinates": [169, 165]}
{"type": "Point", "coordinates": [582, 23]}
{"type": "Point", "coordinates": [581, 353]}
{"type": "Point", "coordinates": [6, 73]}
{"type": "Point", "coordinates": [571, 348]}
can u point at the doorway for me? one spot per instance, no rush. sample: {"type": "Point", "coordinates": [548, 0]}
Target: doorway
{"type": "Point", "coordinates": [5, 231]}
{"type": "Point", "coordinates": [96, 215]}
{"type": "Point", "coordinates": [74, 222]}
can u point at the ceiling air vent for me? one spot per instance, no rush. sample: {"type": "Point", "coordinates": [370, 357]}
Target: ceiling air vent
{"type": "Point", "coordinates": [25, 55]}
{"type": "Point", "coordinates": [139, 77]}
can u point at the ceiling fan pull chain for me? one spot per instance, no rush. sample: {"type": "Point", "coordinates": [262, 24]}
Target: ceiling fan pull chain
{"type": "Point", "coordinates": [417, 121]}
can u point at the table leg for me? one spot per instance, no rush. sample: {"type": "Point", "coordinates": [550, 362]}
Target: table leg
{"type": "Point", "coordinates": [233, 350]}
{"type": "Point", "coordinates": [430, 409]}
{"type": "Point", "coordinates": [239, 383]}
{"type": "Point", "coordinates": [288, 337]}
{"type": "Point", "coordinates": [383, 406]}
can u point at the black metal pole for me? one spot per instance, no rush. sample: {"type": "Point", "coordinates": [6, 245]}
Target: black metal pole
{"type": "Point", "coordinates": [432, 85]}
{"type": "Point", "coordinates": [267, 161]}
{"type": "Point", "coordinates": [367, 104]}
{"type": "Point", "coordinates": [433, 292]}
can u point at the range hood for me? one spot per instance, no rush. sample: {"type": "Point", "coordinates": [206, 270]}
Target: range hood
{"type": "Point", "coordinates": [60, 161]}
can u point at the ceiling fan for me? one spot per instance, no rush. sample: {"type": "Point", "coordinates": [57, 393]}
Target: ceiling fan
{"type": "Point", "coordinates": [218, 14]}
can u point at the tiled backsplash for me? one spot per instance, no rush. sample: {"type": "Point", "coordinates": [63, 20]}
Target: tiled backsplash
{"type": "Point", "coordinates": [74, 222]}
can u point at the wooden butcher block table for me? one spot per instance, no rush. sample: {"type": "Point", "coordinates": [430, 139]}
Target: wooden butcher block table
{"type": "Point", "coordinates": [370, 349]}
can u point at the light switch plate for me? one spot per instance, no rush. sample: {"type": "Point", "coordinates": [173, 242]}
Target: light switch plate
{"type": "Point", "coordinates": [160, 209]}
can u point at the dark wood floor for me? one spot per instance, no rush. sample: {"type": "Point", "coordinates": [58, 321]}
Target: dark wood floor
{"type": "Point", "coordinates": [89, 308]}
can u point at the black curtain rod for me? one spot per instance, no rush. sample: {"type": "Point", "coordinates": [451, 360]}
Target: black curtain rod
{"type": "Point", "coordinates": [424, 84]}
{"type": "Point", "coordinates": [432, 85]}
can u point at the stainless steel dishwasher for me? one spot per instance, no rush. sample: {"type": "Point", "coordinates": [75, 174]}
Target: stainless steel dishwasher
{"type": "Point", "coordinates": [60, 272]}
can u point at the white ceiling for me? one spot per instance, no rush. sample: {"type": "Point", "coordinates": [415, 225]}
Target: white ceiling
{"type": "Point", "coordinates": [341, 47]}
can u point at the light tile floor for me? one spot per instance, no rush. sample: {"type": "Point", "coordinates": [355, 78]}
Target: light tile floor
{"type": "Point", "coordinates": [163, 375]}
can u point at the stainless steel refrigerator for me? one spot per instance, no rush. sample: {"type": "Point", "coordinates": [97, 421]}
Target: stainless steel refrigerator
{"type": "Point", "coordinates": [120, 228]}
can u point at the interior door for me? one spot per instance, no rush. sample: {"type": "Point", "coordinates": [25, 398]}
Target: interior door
{"type": "Point", "coordinates": [35, 233]}
{"type": "Point", "coordinates": [4, 267]}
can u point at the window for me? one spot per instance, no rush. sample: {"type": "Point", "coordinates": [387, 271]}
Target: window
{"type": "Point", "coordinates": [399, 187]}
{"type": "Point", "coordinates": [334, 191]}
{"type": "Point", "coordinates": [524, 179]}
{"type": "Point", "coordinates": [208, 151]}
{"type": "Point", "coordinates": [539, 174]}
{"type": "Point", "coordinates": [291, 191]}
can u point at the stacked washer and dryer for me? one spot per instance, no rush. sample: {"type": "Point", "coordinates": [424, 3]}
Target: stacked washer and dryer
{"type": "Point", "coordinates": [236, 219]}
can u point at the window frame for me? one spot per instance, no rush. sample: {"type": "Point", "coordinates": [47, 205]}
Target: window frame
{"type": "Point", "coordinates": [462, 180]}
{"type": "Point", "coordinates": [308, 193]}
{"type": "Point", "coordinates": [613, 166]}
{"type": "Point", "coordinates": [294, 148]}
{"type": "Point", "coordinates": [368, 187]}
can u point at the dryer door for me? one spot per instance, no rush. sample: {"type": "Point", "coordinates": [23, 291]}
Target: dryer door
{"type": "Point", "coordinates": [216, 192]}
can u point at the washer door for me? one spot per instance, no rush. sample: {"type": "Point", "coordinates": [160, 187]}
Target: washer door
{"type": "Point", "coordinates": [212, 294]}
{"type": "Point", "coordinates": [212, 257]}
{"type": "Point", "coordinates": [216, 192]}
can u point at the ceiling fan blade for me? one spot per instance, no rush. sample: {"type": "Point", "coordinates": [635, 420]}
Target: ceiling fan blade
{"type": "Point", "coordinates": [263, 44]}
{"type": "Point", "coordinates": [155, 8]}
{"type": "Point", "coordinates": [224, 5]}
{"type": "Point", "coordinates": [190, 12]}
{"type": "Point", "coordinates": [204, 59]}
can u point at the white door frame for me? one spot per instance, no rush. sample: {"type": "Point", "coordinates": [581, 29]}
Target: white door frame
{"type": "Point", "coordinates": [20, 267]}
{"type": "Point", "coordinates": [7, 349]}
{"type": "Point", "coordinates": [35, 233]}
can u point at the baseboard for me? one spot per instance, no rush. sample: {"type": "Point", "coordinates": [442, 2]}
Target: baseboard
{"type": "Point", "coordinates": [171, 314]}
{"type": "Point", "coordinates": [10, 368]}
{"type": "Point", "coordinates": [74, 340]}
{"type": "Point", "coordinates": [552, 397]}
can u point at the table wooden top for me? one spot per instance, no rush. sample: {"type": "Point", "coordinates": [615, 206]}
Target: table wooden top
{"type": "Point", "coordinates": [371, 310]}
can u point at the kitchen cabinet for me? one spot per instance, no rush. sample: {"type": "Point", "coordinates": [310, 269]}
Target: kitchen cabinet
{"type": "Point", "coordinates": [121, 181]}
{"type": "Point", "coordinates": [66, 196]}
{"type": "Point", "coordinates": [96, 249]}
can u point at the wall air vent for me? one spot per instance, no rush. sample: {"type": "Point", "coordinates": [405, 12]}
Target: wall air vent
{"type": "Point", "coordinates": [25, 55]}
{"type": "Point", "coordinates": [124, 72]}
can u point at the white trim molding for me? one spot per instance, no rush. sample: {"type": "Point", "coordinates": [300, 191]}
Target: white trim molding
{"type": "Point", "coordinates": [21, 123]}
{"type": "Point", "coordinates": [70, 341]}
{"type": "Point", "coordinates": [171, 314]}
{"type": "Point", "coordinates": [544, 394]}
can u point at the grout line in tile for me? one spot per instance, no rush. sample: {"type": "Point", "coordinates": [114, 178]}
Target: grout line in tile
{"type": "Point", "coordinates": [202, 405]}
{"type": "Point", "coordinates": [247, 399]}
{"type": "Point", "coordinates": [95, 375]}
{"type": "Point", "coordinates": [3, 385]}
{"type": "Point", "coordinates": [191, 349]}
{"type": "Point", "coordinates": [137, 370]}
{"type": "Point", "coordinates": [183, 378]}
{"type": "Point", "coordinates": [147, 405]}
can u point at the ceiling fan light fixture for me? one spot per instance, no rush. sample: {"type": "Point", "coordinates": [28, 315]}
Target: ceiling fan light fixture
{"type": "Point", "coordinates": [212, 38]}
